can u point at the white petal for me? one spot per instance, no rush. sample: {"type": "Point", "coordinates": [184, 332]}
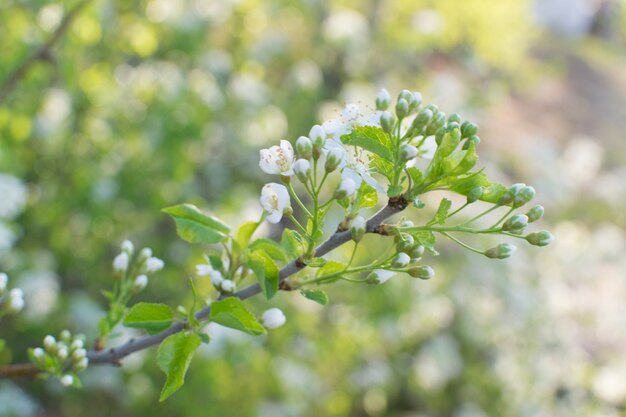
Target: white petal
{"type": "Point", "coordinates": [267, 162]}
{"type": "Point", "coordinates": [275, 217]}
{"type": "Point", "coordinates": [353, 175]}
{"type": "Point", "coordinates": [372, 182]}
{"type": "Point", "coordinates": [428, 148]}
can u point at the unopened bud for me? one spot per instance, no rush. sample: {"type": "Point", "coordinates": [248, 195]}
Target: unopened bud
{"type": "Point", "coordinates": [318, 136]}
{"type": "Point", "coordinates": [542, 238]}
{"type": "Point", "coordinates": [333, 159]}
{"type": "Point", "coordinates": [535, 213]}
{"type": "Point", "coordinates": [475, 140]}
{"type": "Point", "coordinates": [228, 286]}
{"type": "Point", "coordinates": [39, 353]}
{"type": "Point", "coordinates": [15, 302]}
{"type": "Point", "coordinates": [67, 380]}
{"type": "Point", "coordinates": [387, 121]}
{"type": "Point", "coordinates": [77, 344]}
{"type": "Point", "coordinates": [436, 123]}
{"type": "Point", "coordinates": [407, 223]}
{"type": "Point", "coordinates": [304, 147]}
{"type": "Point", "coordinates": [475, 194]}
{"type": "Point", "coordinates": [78, 355]}
{"type": "Point", "coordinates": [502, 251]}
{"type": "Point", "coordinates": [509, 196]}
{"type": "Point", "coordinates": [62, 354]}
{"type": "Point", "coordinates": [400, 261]}
{"type": "Point", "coordinates": [402, 108]}
{"type": "Point", "coordinates": [424, 272]}
{"type": "Point", "coordinates": [302, 169]}
{"type": "Point", "coordinates": [145, 254]}
{"type": "Point", "coordinates": [357, 228]}
{"type": "Point", "coordinates": [416, 252]}
{"type": "Point", "coordinates": [416, 101]}
{"type": "Point", "coordinates": [50, 343]}
{"type": "Point", "coordinates": [120, 263]}
{"type": "Point", "coordinates": [216, 278]}
{"type": "Point", "coordinates": [454, 118]}
{"type": "Point", "coordinates": [141, 282]}
{"type": "Point", "coordinates": [516, 222]}
{"type": "Point", "coordinates": [81, 365]}
{"type": "Point", "coordinates": [421, 120]}
{"type": "Point", "coordinates": [524, 195]}
{"type": "Point", "coordinates": [4, 281]}
{"type": "Point", "coordinates": [346, 188]}
{"type": "Point", "coordinates": [468, 129]}
{"type": "Point", "coordinates": [405, 243]}
{"type": "Point", "coordinates": [379, 276]}
{"type": "Point", "coordinates": [383, 99]}
{"type": "Point", "coordinates": [408, 152]}
{"type": "Point", "coordinates": [128, 247]}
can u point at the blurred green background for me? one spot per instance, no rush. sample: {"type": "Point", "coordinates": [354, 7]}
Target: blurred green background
{"type": "Point", "coordinates": [144, 104]}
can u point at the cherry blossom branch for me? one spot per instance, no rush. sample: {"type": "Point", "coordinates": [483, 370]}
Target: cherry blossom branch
{"type": "Point", "coordinates": [41, 54]}
{"type": "Point", "coordinates": [112, 356]}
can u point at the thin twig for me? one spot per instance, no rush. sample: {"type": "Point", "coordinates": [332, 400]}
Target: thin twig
{"type": "Point", "coordinates": [41, 54]}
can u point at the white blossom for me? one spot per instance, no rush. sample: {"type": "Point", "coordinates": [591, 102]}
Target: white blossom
{"type": "Point", "coordinates": [127, 246]}
{"type": "Point", "coordinates": [202, 270]}
{"type": "Point", "coordinates": [273, 318]}
{"type": "Point", "coordinates": [4, 280]}
{"type": "Point", "coordinates": [67, 380]}
{"type": "Point", "coordinates": [16, 300]}
{"type": "Point", "coordinates": [216, 278]}
{"type": "Point", "coordinates": [14, 196]}
{"type": "Point", "coordinates": [355, 164]}
{"type": "Point", "coordinates": [141, 282]}
{"type": "Point", "coordinates": [120, 263]}
{"type": "Point", "coordinates": [145, 253]}
{"type": "Point", "coordinates": [350, 118]}
{"type": "Point", "coordinates": [154, 264]}
{"type": "Point", "coordinates": [228, 286]}
{"type": "Point", "coordinates": [274, 199]}
{"type": "Point", "coordinates": [277, 159]}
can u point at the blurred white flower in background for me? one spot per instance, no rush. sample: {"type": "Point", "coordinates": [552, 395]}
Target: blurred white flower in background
{"type": "Point", "coordinates": [13, 195]}
{"type": "Point", "coordinates": [41, 292]}
{"type": "Point", "coordinates": [346, 26]}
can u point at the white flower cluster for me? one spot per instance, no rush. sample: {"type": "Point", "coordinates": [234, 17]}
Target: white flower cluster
{"type": "Point", "coordinates": [144, 264]}
{"type": "Point", "coordinates": [63, 358]}
{"type": "Point", "coordinates": [222, 284]}
{"type": "Point", "coordinates": [11, 302]}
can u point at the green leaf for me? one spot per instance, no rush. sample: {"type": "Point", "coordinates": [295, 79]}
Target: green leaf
{"type": "Point", "coordinates": [315, 262]}
{"type": "Point", "coordinates": [292, 242]}
{"type": "Point", "coordinates": [231, 312]}
{"type": "Point", "coordinates": [265, 271]}
{"type": "Point", "coordinates": [382, 166]}
{"type": "Point", "coordinates": [372, 139]}
{"type": "Point", "coordinates": [195, 226]}
{"type": "Point", "coordinates": [492, 191]}
{"type": "Point", "coordinates": [273, 249]}
{"type": "Point", "coordinates": [426, 239]}
{"type": "Point", "coordinates": [318, 296]}
{"type": "Point", "coordinates": [367, 196]}
{"type": "Point", "coordinates": [154, 318]}
{"type": "Point", "coordinates": [442, 212]}
{"type": "Point", "coordinates": [245, 232]}
{"type": "Point", "coordinates": [331, 267]}
{"type": "Point", "coordinates": [173, 358]}
{"type": "Point", "coordinates": [394, 191]}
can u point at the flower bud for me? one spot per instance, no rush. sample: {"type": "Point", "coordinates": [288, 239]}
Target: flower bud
{"type": "Point", "coordinates": [81, 365]}
{"type": "Point", "coordinates": [451, 126]}
{"type": "Point", "coordinates": [216, 278]}
{"type": "Point", "coordinates": [228, 286]}
{"type": "Point", "coordinates": [471, 140]}
{"type": "Point", "coordinates": [379, 276]}
{"type": "Point", "coordinates": [145, 254]}
{"type": "Point", "coordinates": [346, 188]}
{"type": "Point", "coordinates": [424, 272]}
{"type": "Point", "coordinates": [400, 261]}
{"type": "Point", "coordinates": [62, 354]}
{"type": "Point", "coordinates": [154, 264]}
{"type": "Point", "coordinates": [77, 344]}
{"type": "Point", "coordinates": [302, 169]}
{"type": "Point", "coordinates": [475, 194]}
{"type": "Point", "coordinates": [387, 121]}
{"type": "Point", "coordinates": [318, 136]}
{"type": "Point", "coordinates": [78, 355]}
{"type": "Point", "coordinates": [524, 196]}
{"type": "Point", "coordinates": [39, 353]}
{"type": "Point", "coordinates": [4, 280]}
{"type": "Point", "coordinates": [357, 228]}
{"type": "Point", "coordinates": [383, 99]}
{"type": "Point", "coordinates": [535, 213]}
{"type": "Point", "coordinates": [416, 252]}
{"type": "Point", "coordinates": [421, 120]}
{"type": "Point", "coordinates": [304, 147]}
{"type": "Point", "coordinates": [408, 152]}
{"type": "Point", "coordinates": [454, 118]}
{"type": "Point", "coordinates": [65, 336]}
{"type": "Point", "coordinates": [468, 129]}
{"type": "Point", "coordinates": [273, 318]}
{"type": "Point", "coordinates": [67, 380]}
{"type": "Point", "coordinates": [407, 223]}
{"type": "Point", "coordinates": [542, 238]}
{"type": "Point", "coordinates": [128, 247]}
{"type": "Point", "coordinates": [436, 123]}
{"type": "Point", "coordinates": [333, 159]}
{"type": "Point", "coordinates": [405, 95]}
{"type": "Point", "coordinates": [15, 303]}
{"type": "Point", "coordinates": [416, 101]}
{"type": "Point", "coordinates": [120, 263]}
{"type": "Point", "coordinates": [502, 251]}
{"type": "Point", "coordinates": [141, 282]}
{"type": "Point", "coordinates": [50, 343]}
{"type": "Point", "coordinates": [405, 243]}
{"type": "Point", "coordinates": [509, 196]}
{"type": "Point", "coordinates": [402, 108]}
{"type": "Point", "coordinates": [516, 222]}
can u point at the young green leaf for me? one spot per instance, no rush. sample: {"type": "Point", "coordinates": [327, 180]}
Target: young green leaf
{"type": "Point", "coordinates": [372, 139]}
{"type": "Point", "coordinates": [154, 318]}
{"type": "Point", "coordinates": [231, 312]}
{"type": "Point", "coordinates": [245, 232]}
{"type": "Point", "coordinates": [331, 267]}
{"type": "Point", "coordinates": [318, 296]}
{"type": "Point", "coordinates": [292, 242]}
{"type": "Point", "coordinates": [366, 197]}
{"type": "Point", "coordinates": [442, 212]}
{"type": "Point", "coordinates": [266, 272]}
{"type": "Point", "coordinates": [173, 358]}
{"type": "Point", "coordinates": [492, 191]}
{"type": "Point", "coordinates": [195, 226]}
{"type": "Point", "coordinates": [272, 248]}
{"type": "Point", "coordinates": [315, 262]}
{"type": "Point", "coordinates": [426, 239]}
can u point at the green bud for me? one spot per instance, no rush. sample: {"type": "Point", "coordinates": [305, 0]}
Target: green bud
{"type": "Point", "coordinates": [475, 194]}
{"type": "Point", "coordinates": [509, 196]}
{"type": "Point", "coordinates": [357, 228]}
{"type": "Point", "coordinates": [65, 336]}
{"type": "Point", "coordinates": [333, 159]}
{"type": "Point", "coordinates": [416, 252]}
{"type": "Point", "coordinates": [407, 223]}
{"type": "Point", "coordinates": [421, 120]}
{"type": "Point", "coordinates": [535, 213]}
{"type": "Point", "coordinates": [516, 222]}
{"type": "Point", "coordinates": [542, 238]}
{"type": "Point", "coordinates": [405, 95]}
{"type": "Point", "coordinates": [473, 139]}
{"type": "Point", "coordinates": [408, 152]}
{"type": "Point", "coordinates": [454, 118]}
{"type": "Point", "coordinates": [400, 261]}
{"type": "Point", "coordinates": [451, 126]}
{"type": "Point", "coordinates": [318, 136]}
{"type": "Point", "coordinates": [304, 147]}
{"type": "Point", "coordinates": [502, 251]}
{"type": "Point", "coordinates": [439, 135]}
{"type": "Point", "coordinates": [302, 169]}
{"type": "Point", "coordinates": [433, 108]}
{"type": "Point", "coordinates": [416, 101]}
{"type": "Point", "coordinates": [468, 129]}
{"type": "Point", "coordinates": [405, 244]}
{"type": "Point", "coordinates": [424, 272]}
{"type": "Point", "coordinates": [402, 108]}
{"type": "Point", "coordinates": [383, 99]}
{"type": "Point", "coordinates": [387, 121]}
{"type": "Point", "coordinates": [524, 196]}
{"type": "Point", "coordinates": [436, 123]}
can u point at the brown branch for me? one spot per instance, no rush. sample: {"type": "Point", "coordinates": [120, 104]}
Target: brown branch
{"type": "Point", "coordinates": [19, 370]}
{"type": "Point", "coordinates": [41, 54]}
{"type": "Point", "coordinates": [112, 356]}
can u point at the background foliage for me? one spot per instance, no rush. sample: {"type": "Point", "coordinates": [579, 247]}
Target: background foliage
{"type": "Point", "coordinates": [145, 104]}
